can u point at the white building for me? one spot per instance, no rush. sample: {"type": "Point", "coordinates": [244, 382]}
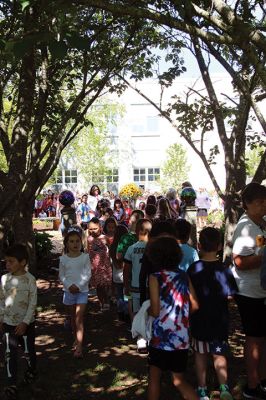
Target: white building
{"type": "Point", "coordinates": [141, 138]}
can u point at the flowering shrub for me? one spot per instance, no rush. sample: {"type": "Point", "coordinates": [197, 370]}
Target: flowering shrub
{"type": "Point", "coordinates": [130, 191]}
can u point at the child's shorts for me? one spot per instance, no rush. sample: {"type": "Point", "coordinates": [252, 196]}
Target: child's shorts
{"type": "Point", "coordinates": [202, 212]}
{"type": "Point", "coordinates": [174, 361]}
{"type": "Point", "coordinates": [252, 313]}
{"type": "Point", "coordinates": [70, 299]}
{"type": "Point", "coordinates": [217, 347]}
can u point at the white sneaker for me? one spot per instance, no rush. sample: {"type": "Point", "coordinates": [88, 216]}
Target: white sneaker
{"type": "Point", "coordinates": [142, 345]}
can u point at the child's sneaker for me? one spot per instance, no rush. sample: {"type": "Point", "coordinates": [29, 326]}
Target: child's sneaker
{"type": "Point", "coordinates": [254, 394]}
{"type": "Point", "coordinates": [203, 393]}
{"type": "Point", "coordinates": [142, 346]}
{"type": "Point", "coordinates": [225, 393]}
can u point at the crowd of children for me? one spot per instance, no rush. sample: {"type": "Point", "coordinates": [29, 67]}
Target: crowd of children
{"type": "Point", "coordinates": [145, 254]}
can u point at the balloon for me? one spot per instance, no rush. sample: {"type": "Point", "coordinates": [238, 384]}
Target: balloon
{"type": "Point", "coordinates": [66, 198]}
{"type": "Point", "coordinates": [188, 193]}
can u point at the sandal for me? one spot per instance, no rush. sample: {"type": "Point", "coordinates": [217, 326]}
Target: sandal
{"type": "Point", "coordinates": [74, 345]}
{"type": "Point", "coordinates": [11, 392]}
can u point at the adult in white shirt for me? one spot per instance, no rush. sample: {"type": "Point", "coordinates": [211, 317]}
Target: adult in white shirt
{"type": "Point", "coordinates": [94, 197]}
{"type": "Point", "coordinates": [203, 202]}
{"type": "Point", "coordinates": [251, 299]}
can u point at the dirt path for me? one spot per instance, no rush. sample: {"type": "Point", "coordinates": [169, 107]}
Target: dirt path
{"type": "Point", "coordinates": [111, 368]}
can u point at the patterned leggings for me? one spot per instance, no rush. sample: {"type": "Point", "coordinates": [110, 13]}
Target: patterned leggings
{"type": "Point", "coordinates": [11, 342]}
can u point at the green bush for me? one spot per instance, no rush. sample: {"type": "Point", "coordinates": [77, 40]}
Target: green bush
{"type": "Point", "coordinates": [43, 244]}
{"type": "Point", "coordinates": [216, 218]}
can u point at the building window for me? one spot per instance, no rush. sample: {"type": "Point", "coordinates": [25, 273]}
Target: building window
{"type": "Point", "coordinates": [98, 179]}
{"type": "Point", "coordinates": [137, 127]}
{"type": "Point", "coordinates": [114, 140]}
{"type": "Point", "coordinates": [108, 181]}
{"type": "Point", "coordinates": [142, 175]}
{"type": "Point", "coordinates": [59, 177]}
{"type": "Point", "coordinates": [139, 175]}
{"type": "Point", "coordinates": [64, 176]}
{"type": "Point", "coordinates": [71, 176]}
{"type": "Point", "coordinates": [152, 124]}
{"type": "Point", "coordinates": [153, 174]}
{"type": "Point", "coordinates": [112, 175]}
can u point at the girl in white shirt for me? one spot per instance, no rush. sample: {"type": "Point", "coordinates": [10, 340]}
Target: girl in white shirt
{"type": "Point", "coordinates": [75, 273]}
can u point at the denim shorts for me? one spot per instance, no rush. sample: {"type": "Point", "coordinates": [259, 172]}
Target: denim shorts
{"type": "Point", "coordinates": [70, 299]}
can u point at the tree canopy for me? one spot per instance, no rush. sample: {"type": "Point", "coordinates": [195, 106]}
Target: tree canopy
{"type": "Point", "coordinates": [238, 25]}
{"type": "Point", "coordinates": [175, 168]}
{"type": "Point", "coordinates": [92, 149]}
{"type": "Point", "coordinates": [55, 63]}
{"type": "Point", "coordinates": [58, 57]}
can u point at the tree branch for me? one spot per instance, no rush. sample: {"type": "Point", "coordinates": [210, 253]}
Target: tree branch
{"type": "Point", "coordinates": [212, 95]}
{"type": "Point", "coordinates": [187, 138]}
{"type": "Point", "coordinates": [260, 173]}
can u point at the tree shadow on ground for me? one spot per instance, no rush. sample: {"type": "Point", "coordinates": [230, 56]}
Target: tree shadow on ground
{"type": "Point", "coordinates": [111, 368]}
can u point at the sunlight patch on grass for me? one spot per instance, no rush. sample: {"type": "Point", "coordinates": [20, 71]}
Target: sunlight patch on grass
{"type": "Point", "coordinates": [121, 378]}
{"type": "Point", "coordinates": [105, 353]}
{"type": "Point", "coordinates": [141, 390]}
{"type": "Point", "coordinates": [44, 340]}
{"type": "Point", "coordinates": [105, 377]}
{"type": "Point", "coordinates": [120, 350]}
{"type": "Point", "coordinates": [88, 373]}
{"type": "Point", "coordinates": [123, 381]}
{"type": "Point", "coordinates": [123, 339]}
{"type": "Point", "coordinates": [101, 367]}
{"type": "Point", "coordinates": [138, 385]}
{"type": "Point", "coordinates": [45, 310]}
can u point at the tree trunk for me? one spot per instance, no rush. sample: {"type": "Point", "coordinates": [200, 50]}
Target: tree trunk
{"type": "Point", "coordinates": [232, 213]}
{"type": "Point", "coordinates": [5, 227]}
{"type": "Point", "coordinates": [23, 230]}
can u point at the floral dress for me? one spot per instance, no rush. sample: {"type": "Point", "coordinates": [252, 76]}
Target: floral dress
{"type": "Point", "coordinates": [100, 261]}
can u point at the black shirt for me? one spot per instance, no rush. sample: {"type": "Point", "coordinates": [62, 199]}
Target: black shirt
{"type": "Point", "coordinates": [213, 283]}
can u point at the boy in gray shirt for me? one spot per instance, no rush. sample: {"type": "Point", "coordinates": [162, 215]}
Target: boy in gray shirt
{"type": "Point", "coordinates": [18, 299]}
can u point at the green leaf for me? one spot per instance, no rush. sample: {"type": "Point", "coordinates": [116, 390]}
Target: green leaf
{"type": "Point", "coordinates": [78, 42]}
{"type": "Point", "coordinates": [24, 4]}
{"type": "Point", "coordinates": [58, 49]}
{"type": "Point", "coordinates": [20, 48]}
{"type": "Point", "coordinates": [2, 44]}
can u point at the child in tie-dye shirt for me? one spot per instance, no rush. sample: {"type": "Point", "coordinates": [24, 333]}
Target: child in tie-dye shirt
{"type": "Point", "coordinates": [172, 298]}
